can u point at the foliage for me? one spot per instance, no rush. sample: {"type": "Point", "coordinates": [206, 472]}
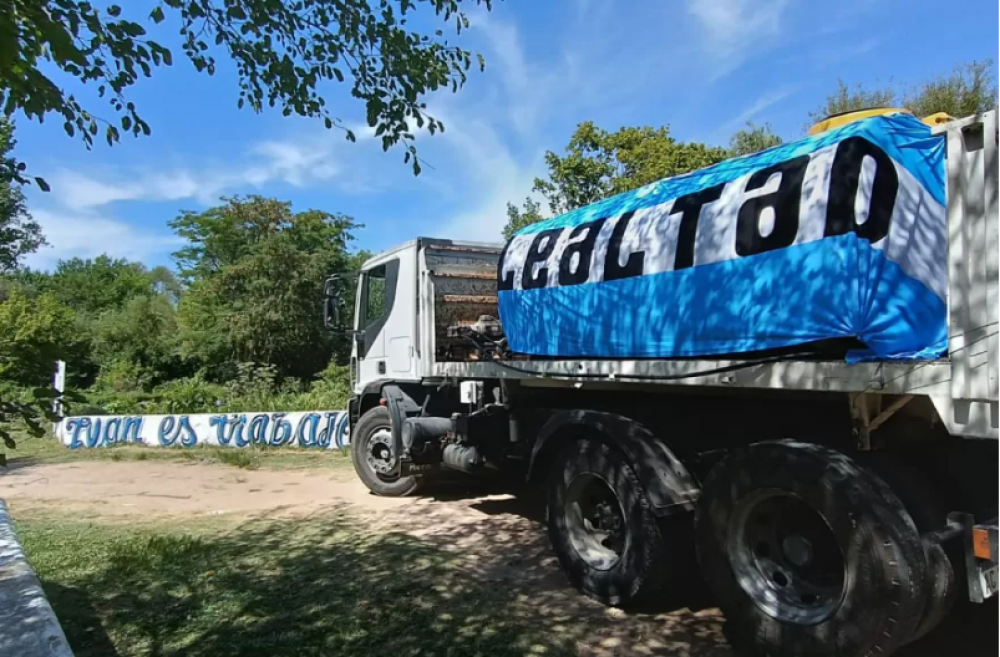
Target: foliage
{"type": "Point", "coordinates": [518, 219]}
{"type": "Point", "coordinates": [255, 272]}
{"type": "Point", "coordinates": [599, 164]}
{"type": "Point", "coordinates": [19, 233]}
{"type": "Point", "coordinates": [34, 332]}
{"type": "Point", "coordinates": [753, 139]}
{"type": "Point", "coordinates": [968, 89]}
{"type": "Point", "coordinates": [849, 99]}
{"type": "Point", "coordinates": [33, 335]}
{"type": "Point", "coordinates": [140, 333]}
{"type": "Point", "coordinates": [188, 395]}
{"type": "Point", "coordinates": [285, 51]}
{"type": "Point", "coordinates": [94, 286]}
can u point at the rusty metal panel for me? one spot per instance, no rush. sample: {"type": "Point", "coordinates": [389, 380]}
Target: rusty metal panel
{"type": "Point", "coordinates": [464, 287]}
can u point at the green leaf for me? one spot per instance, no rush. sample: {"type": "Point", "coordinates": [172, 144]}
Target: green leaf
{"type": "Point", "coordinates": [157, 15]}
{"type": "Point", "coordinates": [44, 393]}
{"type": "Point", "coordinates": [42, 185]}
{"type": "Point", "coordinates": [114, 10]}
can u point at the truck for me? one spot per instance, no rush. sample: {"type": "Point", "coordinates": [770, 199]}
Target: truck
{"type": "Point", "coordinates": [838, 500]}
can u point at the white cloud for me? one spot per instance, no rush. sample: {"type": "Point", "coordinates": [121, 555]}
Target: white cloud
{"type": "Point", "coordinates": [756, 108]}
{"type": "Point", "coordinates": [85, 236]}
{"type": "Point", "coordinates": [735, 27]}
{"type": "Point", "coordinates": [296, 163]}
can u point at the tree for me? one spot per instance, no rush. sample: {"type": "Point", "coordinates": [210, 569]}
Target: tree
{"type": "Point", "coordinates": [34, 334]}
{"type": "Point", "coordinates": [599, 164]}
{"type": "Point", "coordinates": [19, 233]}
{"type": "Point", "coordinates": [93, 286]}
{"type": "Point", "coordinates": [849, 99]}
{"type": "Point", "coordinates": [255, 274]}
{"type": "Point", "coordinates": [142, 333]}
{"type": "Point", "coordinates": [970, 88]}
{"type": "Point", "coordinates": [518, 219]}
{"type": "Point", "coordinates": [284, 51]}
{"type": "Point", "coordinates": [753, 139]}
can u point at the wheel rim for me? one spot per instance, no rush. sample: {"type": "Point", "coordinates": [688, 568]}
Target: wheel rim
{"type": "Point", "coordinates": [786, 557]}
{"type": "Point", "coordinates": [379, 454]}
{"type": "Point", "coordinates": [595, 521]}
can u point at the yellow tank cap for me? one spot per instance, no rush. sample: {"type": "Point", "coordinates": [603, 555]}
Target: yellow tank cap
{"type": "Point", "coordinates": [937, 118]}
{"type": "Point", "coordinates": [837, 120]}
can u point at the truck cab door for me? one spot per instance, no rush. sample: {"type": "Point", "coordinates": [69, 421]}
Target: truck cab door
{"type": "Point", "coordinates": [378, 292]}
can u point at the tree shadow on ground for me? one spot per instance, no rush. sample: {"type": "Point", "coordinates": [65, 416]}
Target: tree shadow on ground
{"type": "Point", "coordinates": [333, 584]}
{"type": "Point", "coordinates": [472, 576]}
{"type": "Point", "coordinates": [503, 536]}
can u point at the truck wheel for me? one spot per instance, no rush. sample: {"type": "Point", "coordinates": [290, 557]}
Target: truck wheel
{"type": "Point", "coordinates": [926, 506]}
{"type": "Point", "coordinates": [601, 525]}
{"type": "Point", "coordinates": [808, 553]}
{"type": "Point", "coordinates": [372, 452]}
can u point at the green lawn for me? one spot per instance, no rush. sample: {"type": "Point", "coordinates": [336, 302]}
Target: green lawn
{"type": "Point", "coordinates": [316, 586]}
{"type": "Point", "coordinates": [49, 450]}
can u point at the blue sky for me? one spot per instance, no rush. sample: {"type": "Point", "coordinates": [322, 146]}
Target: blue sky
{"type": "Point", "coordinates": [704, 67]}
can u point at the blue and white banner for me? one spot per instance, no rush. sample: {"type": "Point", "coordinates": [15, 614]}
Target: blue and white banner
{"type": "Point", "coordinates": [838, 235]}
{"type": "Point", "coordinates": [310, 429]}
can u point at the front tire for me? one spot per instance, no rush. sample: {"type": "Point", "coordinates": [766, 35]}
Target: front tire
{"type": "Point", "coordinates": [602, 527]}
{"type": "Point", "coordinates": [809, 554]}
{"type": "Point", "coordinates": [372, 453]}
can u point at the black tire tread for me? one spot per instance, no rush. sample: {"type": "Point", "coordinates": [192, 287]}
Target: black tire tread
{"type": "Point", "coordinates": [650, 575]}
{"type": "Point", "coordinates": [893, 538]}
{"type": "Point", "coordinates": [373, 419]}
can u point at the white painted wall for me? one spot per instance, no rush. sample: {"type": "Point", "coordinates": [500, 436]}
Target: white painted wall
{"type": "Point", "coordinates": [314, 429]}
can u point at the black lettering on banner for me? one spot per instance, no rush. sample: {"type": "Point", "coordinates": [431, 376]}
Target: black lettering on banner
{"type": "Point", "coordinates": [504, 282]}
{"type": "Point", "coordinates": [613, 271]}
{"type": "Point", "coordinates": [784, 202]}
{"type": "Point", "coordinates": [585, 248]}
{"type": "Point", "coordinates": [845, 178]}
{"type": "Point", "coordinates": [541, 249]}
{"type": "Point", "coordinates": [689, 207]}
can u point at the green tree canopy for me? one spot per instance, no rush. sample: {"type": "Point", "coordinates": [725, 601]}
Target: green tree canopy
{"type": "Point", "coordinates": [143, 333]}
{"type": "Point", "coordinates": [530, 213]}
{"type": "Point", "coordinates": [969, 89]}
{"type": "Point", "coordinates": [284, 51]}
{"type": "Point", "coordinates": [599, 164]}
{"type": "Point", "coordinates": [19, 233]}
{"type": "Point", "coordinates": [255, 273]}
{"type": "Point", "coordinates": [96, 285]}
{"type": "Point", "coordinates": [35, 332]}
{"type": "Point", "coordinates": [753, 139]}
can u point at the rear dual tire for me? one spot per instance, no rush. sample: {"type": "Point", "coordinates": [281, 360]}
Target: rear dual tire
{"type": "Point", "coordinates": [808, 553]}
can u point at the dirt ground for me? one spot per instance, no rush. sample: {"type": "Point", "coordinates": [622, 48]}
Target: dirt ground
{"type": "Point", "coordinates": [499, 536]}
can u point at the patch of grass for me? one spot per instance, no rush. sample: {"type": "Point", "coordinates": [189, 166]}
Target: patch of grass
{"type": "Point", "coordinates": [245, 459]}
{"type": "Point", "coordinates": [317, 586]}
{"type": "Point", "coordinates": [49, 450]}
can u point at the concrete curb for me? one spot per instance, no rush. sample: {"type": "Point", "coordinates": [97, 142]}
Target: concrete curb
{"type": "Point", "coordinates": [28, 626]}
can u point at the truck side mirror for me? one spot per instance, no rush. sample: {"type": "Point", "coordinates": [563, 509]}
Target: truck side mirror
{"type": "Point", "coordinates": [333, 298]}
